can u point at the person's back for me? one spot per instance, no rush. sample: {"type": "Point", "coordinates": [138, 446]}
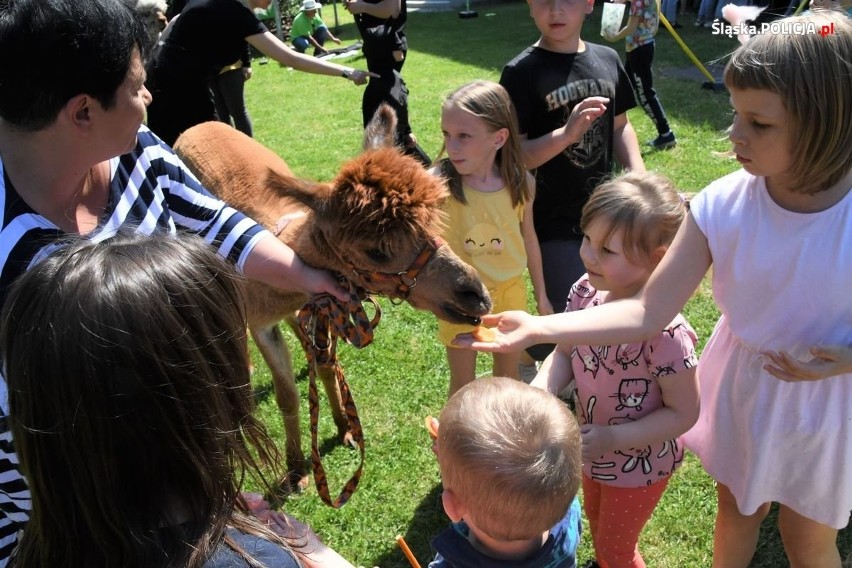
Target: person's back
{"type": "Point", "coordinates": [510, 466]}
{"type": "Point", "coordinates": [136, 435]}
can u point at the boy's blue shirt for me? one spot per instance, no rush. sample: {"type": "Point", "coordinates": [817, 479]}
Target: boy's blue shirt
{"type": "Point", "coordinates": [454, 549]}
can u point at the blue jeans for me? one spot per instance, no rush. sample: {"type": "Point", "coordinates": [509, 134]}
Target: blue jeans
{"type": "Point", "coordinates": [301, 43]}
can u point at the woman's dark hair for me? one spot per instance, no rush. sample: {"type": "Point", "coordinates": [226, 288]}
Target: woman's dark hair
{"type": "Point", "coordinates": [130, 405]}
{"type": "Point", "coordinates": [53, 50]}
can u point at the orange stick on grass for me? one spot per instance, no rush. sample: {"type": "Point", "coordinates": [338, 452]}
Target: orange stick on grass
{"type": "Point", "coordinates": [407, 551]}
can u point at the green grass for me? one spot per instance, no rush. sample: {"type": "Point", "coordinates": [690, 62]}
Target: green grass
{"type": "Point", "coordinates": [314, 122]}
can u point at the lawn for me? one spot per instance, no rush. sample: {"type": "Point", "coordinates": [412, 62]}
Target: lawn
{"type": "Point", "coordinates": [314, 122]}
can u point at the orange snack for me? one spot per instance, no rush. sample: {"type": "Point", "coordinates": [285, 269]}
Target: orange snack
{"type": "Point", "coordinates": [431, 426]}
{"type": "Point", "coordinates": [485, 334]}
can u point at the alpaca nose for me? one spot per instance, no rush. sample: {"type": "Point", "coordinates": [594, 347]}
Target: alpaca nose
{"type": "Point", "coordinates": [475, 299]}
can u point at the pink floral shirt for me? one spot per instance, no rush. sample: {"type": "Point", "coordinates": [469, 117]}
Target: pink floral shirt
{"type": "Point", "coordinates": [619, 383]}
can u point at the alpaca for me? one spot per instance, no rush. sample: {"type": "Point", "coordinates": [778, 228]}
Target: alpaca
{"type": "Point", "coordinates": [377, 215]}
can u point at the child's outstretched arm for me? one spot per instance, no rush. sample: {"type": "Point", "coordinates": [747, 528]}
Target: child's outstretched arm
{"type": "Point", "coordinates": [626, 145]}
{"type": "Point", "coordinates": [533, 250]}
{"type": "Point", "coordinates": [556, 371]}
{"type": "Point", "coordinates": [827, 361]}
{"type": "Point", "coordinates": [542, 149]}
{"type": "Point", "coordinates": [679, 413]}
{"type": "Point", "coordinates": [629, 29]}
{"type": "Point", "coordinates": [623, 321]}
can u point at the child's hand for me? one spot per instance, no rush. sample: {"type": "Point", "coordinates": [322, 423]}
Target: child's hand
{"type": "Point", "coordinates": [827, 361]}
{"type": "Point", "coordinates": [543, 306]}
{"type": "Point", "coordinates": [582, 116]}
{"type": "Point", "coordinates": [597, 440]}
{"type": "Point", "coordinates": [514, 331]}
{"type": "Point", "coordinates": [608, 35]}
{"type": "Point", "coordinates": [336, 40]}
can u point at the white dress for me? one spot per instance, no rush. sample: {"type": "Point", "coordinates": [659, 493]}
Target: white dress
{"type": "Point", "coordinates": [783, 281]}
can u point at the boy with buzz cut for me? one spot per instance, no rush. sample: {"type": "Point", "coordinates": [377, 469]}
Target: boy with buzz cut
{"type": "Point", "coordinates": [510, 465]}
{"type": "Point", "coordinates": [572, 99]}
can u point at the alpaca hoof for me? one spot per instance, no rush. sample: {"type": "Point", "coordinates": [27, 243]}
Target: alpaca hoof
{"type": "Point", "coordinates": [349, 440]}
{"type": "Point", "coordinates": [295, 481]}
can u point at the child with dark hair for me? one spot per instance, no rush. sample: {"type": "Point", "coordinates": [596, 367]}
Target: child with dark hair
{"type": "Point", "coordinates": [128, 372]}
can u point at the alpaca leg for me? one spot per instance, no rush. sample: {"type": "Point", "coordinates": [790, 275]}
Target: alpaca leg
{"type": "Point", "coordinates": [272, 346]}
{"type": "Point", "coordinates": [335, 401]}
{"type": "Point", "coordinates": [332, 391]}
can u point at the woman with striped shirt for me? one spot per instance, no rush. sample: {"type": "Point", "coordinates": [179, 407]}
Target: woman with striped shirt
{"type": "Point", "coordinates": [76, 160]}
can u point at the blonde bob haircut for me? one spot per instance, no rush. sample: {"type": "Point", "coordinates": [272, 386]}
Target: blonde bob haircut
{"type": "Point", "coordinates": [645, 205]}
{"type": "Point", "coordinates": [812, 73]}
{"type": "Point", "coordinates": [511, 453]}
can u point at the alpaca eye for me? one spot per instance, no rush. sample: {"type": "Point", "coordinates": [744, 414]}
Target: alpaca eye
{"type": "Point", "coordinates": [377, 255]}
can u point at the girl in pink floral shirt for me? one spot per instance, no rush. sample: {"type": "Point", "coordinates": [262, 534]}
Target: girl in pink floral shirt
{"type": "Point", "coordinates": [632, 400]}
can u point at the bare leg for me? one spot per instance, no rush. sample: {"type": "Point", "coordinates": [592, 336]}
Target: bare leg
{"type": "Point", "coordinates": [462, 364]}
{"type": "Point", "coordinates": [735, 537]}
{"type": "Point", "coordinates": [808, 544]}
{"type": "Point", "coordinates": [506, 365]}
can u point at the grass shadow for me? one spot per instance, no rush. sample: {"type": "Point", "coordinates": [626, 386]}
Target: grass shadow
{"type": "Point", "coordinates": [428, 514]}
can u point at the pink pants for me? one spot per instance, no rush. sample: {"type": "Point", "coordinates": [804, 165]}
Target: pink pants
{"type": "Point", "coordinates": [616, 517]}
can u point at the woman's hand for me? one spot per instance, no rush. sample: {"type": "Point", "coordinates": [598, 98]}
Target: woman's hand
{"type": "Point", "coordinates": [359, 77]}
{"type": "Point", "coordinates": [514, 331]}
{"type": "Point", "coordinates": [827, 361]}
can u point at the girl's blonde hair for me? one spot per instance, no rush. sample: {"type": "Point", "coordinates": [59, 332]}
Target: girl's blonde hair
{"type": "Point", "coordinates": [812, 73]}
{"type": "Point", "coordinates": [489, 102]}
{"type": "Point", "coordinates": [645, 205]}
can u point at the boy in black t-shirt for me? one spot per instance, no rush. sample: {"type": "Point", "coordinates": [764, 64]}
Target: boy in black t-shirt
{"type": "Point", "coordinates": [572, 99]}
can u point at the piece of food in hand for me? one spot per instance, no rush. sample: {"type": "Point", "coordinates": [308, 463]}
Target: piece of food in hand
{"type": "Point", "coordinates": [482, 333]}
{"type": "Point", "coordinates": [431, 426]}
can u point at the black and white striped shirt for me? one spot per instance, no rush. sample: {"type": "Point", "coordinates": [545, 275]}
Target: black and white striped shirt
{"type": "Point", "coordinates": [151, 191]}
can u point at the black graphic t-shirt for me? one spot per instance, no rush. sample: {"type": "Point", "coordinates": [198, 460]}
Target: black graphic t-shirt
{"type": "Point", "coordinates": [545, 86]}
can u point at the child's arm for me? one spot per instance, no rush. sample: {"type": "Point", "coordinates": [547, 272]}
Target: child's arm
{"type": "Point", "coordinates": [626, 145]}
{"type": "Point", "coordinates": [556, 371]}
{"type": "Point", "coordinates": [539, 150]}
{"type": "Point", "coordinates": [622, 321]}
{"type": "Point", "coordinates": [542, 303]}
{"type": "Point", "coordinates": [827, 361]}
{"type": "Point", "coordinates": [679, 413]}
{"type": "Point", "coordinates": [629, 29]}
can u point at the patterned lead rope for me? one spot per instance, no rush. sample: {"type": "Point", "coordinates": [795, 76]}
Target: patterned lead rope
{"type": "Point", "coordinates": [323, 319]}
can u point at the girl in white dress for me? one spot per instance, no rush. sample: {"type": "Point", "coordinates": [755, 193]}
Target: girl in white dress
{"type": "Point", "coordinates": [776, 375]}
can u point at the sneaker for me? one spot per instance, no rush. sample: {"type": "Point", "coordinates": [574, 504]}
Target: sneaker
{"type": "Point", "coordinates": [699, 23]}
{"type": "Point", "coordinates": [663, 141]}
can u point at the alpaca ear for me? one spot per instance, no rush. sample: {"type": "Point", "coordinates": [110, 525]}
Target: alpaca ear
{"type": "Point", "coordinates": [310, 194]}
